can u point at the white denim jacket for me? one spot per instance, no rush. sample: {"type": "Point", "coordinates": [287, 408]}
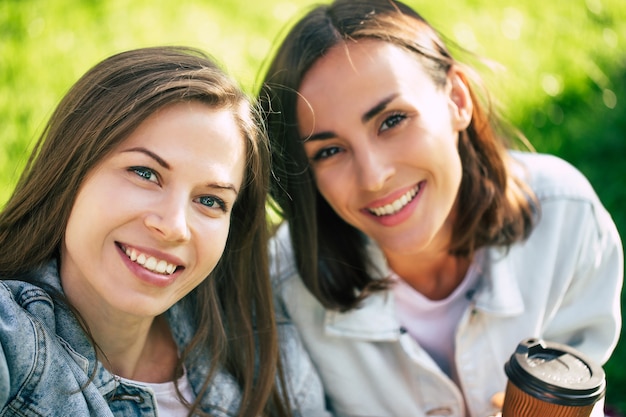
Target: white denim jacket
{"type": "Point", "coordinates": [563, 284]}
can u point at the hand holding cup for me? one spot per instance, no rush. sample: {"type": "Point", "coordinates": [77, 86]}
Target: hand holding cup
{"type": "Point", "coordinates": [551, 379]}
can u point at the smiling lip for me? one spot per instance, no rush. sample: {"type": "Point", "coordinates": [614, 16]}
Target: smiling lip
{"type": "Point", "coordinates": [153, 263]}
{"type": "Point", "coordinates": [395, 205]}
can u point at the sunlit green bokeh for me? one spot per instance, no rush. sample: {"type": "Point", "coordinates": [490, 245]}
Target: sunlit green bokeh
{"type": "Point", "coordinates": [557, 70]}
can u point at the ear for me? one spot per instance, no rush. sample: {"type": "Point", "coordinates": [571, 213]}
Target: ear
{"type": "Point", "coordinates": [461, 105]}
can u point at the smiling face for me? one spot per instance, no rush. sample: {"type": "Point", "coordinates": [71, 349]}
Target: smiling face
{"type": "Point", "coordinates": [381, 138]}
{"type": "Point", "coordinates": [151, 221]}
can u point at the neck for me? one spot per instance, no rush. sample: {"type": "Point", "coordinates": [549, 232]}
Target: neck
{"type": "Point", "coordinates": [140, 350]}
{"type": "Point", "coordinates": [435, 276]}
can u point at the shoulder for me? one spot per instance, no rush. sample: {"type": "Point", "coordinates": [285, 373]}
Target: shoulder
{"type": "Point", "coordinates": [23, 296]}
{"type": "Point", "coordinates": [552, 177]}
{"type": "Point", "coordinates": [23, 336]}
{"type": "Point", "coordinates": [26, 306]}
{"type": "Point", "coordinates": [37, 366]}
{"type": "Point", "coordinates": [281, 253]}
{"type": "Point", "coordinates": [22, 306]}
{"type": "Point", "coordinates": [561, 189]}
{"type": "Point", "coordinates": [30, 293]}
{"type": "Point", "coordinates": [571, 215]}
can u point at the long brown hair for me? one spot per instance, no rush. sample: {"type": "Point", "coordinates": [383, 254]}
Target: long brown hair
{"type": "Point", "coordinates": [233, 307]}
{"type": "Point", "coordinates": [495, 207]}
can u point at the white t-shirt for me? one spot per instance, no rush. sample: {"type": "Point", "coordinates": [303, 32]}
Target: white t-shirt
{"type": "Point", "coordinates": [168, 403]}
{"type": "Point", "coordinates": [433, 323]}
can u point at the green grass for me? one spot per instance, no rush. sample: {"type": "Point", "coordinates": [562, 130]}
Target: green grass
{"type": "Point", "coordinates": [559, 71]}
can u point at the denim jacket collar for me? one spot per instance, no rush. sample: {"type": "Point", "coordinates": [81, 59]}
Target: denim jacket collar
{"type": "Point", "coordinates": [497, 293]}
{"type": "Point", "coordinates": [223, 388]}
{"type": "Point", "coordinates": [71, 334]}
{"type": "Point", "coordinates": [223, 391]}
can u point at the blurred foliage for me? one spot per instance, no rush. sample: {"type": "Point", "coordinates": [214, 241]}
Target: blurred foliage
{"type": "Point", "coordinates": [557, 70]}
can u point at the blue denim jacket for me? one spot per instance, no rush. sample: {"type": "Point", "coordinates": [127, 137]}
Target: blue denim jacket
{"type": "Point", "coordinates": [46, 362]}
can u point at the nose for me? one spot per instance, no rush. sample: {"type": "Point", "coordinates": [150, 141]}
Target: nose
{"type": "Point", "coordinates": [169, 219]}
{"type": "Point", "coordinates": [373, 167]}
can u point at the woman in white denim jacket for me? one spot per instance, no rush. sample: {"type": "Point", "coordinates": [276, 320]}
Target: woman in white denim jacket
{"type": "Point", "coordinates": [418, 249]}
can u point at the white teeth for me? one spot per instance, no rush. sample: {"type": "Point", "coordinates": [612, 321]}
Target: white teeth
{"type": "Point", "coordinates": [150, 262]}
{"type": "Point", "coordinates": [397, 205]}
{"type": "Point", "coordinates": [161, 266]}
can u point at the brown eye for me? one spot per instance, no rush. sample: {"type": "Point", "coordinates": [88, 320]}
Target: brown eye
{"type": "Point", "coordinates": [392, 121]}
{"type": "Point", "coordinates": [326, 153]}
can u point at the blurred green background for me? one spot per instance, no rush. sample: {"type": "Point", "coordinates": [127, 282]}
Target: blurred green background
{"type": "Point", "coordinates": [558, 73]}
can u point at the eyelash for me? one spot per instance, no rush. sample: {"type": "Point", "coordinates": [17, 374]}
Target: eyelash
{"type": "Point", "coordinates": [221, 203]}
{"type": "Point", "coordinates": [390, 122]}
{"type": "Point", "coordinates": [207, 201]}
{"type": "Point", "coordinates": [142, 171]}
{"type": "Point", "coordinates": [326, 153]}
{"type": "Point", "coordinates": [394, 119]}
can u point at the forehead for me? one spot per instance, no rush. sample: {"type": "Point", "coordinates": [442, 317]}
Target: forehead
{"type": "Point", "coordinates": [363, 60]}
{"type": "Point", "coordinates": [358, 74]}
{"type": "Point", "coordinates": [179, 120]}
{"type": "Point", "coordinates": [193, 135]}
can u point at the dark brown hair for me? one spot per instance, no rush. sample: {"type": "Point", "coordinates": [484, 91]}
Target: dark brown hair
{"type": "Point", "coordinates": [494, 207]}
{"type": "Point", "coordinates": [233, 307]}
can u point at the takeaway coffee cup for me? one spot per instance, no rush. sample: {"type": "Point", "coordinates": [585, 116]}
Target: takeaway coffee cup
{"type": "Point", "coordinates": [551, 379]}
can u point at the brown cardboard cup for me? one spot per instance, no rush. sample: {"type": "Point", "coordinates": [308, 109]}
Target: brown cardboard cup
{"type": "Point", "coordinates": [551, 379]}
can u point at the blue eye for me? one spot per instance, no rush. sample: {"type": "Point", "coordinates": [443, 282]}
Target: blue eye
{"type": "Point", "coordinates": [145, 173]}
{"type": "Point", "coordinates": [326, 153]}
{"type": "Point", "coordinates": [392, 121]}
{"type": "Point", "coordinates": [212, 202]}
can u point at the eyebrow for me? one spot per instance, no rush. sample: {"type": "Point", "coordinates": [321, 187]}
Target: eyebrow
{"type": "Point", "coordinates": [227, 187]}
{"type": "Point", "coordinates": [161, 161]}
{"type": "Point", "coordinates": [367, 116]}
{"type": "Point", "coordinates": [151, 154]}
{"type": "Point", "coordinates": [382, 104]}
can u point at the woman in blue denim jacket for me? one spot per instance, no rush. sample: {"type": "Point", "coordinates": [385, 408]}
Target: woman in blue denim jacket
{"type": "Point", "coordinates": [134, 275]}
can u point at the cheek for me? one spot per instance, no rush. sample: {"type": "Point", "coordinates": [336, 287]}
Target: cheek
{"type": "Point", "coordinates": [322, 183]}
{"type": "Point", "coordinates": [211, 242]}
{"type": "Point", "coordinates": [453, 173]}
{"type": "Point", "coordinates": [88, 213]}
{"type": "Point", "coordinates": [457, 172]}
{"type": "Point", "coordinates": [335, 190]}
{"type": "Point", "coordinates": [84, 237]}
